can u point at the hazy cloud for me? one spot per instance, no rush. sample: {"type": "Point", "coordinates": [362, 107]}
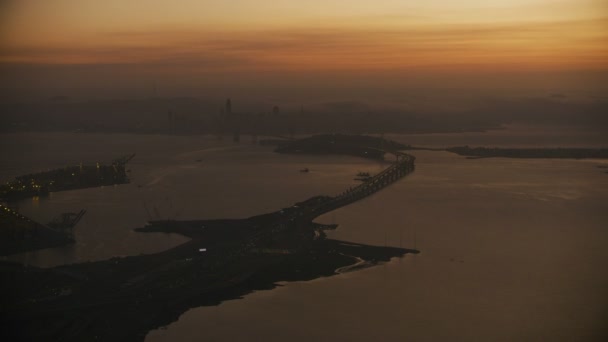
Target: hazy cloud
{"type": "Point", "coordinates": [538, 44]}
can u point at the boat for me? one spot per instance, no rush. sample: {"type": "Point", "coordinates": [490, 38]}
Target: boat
{"type": "Point", "coordinates": [363, 174]}
{"type": "Point", "coordinates": [304, 170]}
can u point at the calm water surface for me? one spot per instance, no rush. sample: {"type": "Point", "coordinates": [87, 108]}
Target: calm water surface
{"type": "Point", "coordinates": [511, 249]}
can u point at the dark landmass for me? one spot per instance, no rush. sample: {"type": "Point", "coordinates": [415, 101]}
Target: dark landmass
{"type": "Point", "coordinates": [20, 234]}
{"type": "Point", "coordinates": [565, 153]}
{"type": "Point", "coordinates": [409, 112]}
{"type": "Point", "coordinates": [124, 298]}
{"type": "Point", "coordinates": [355, 145]}
{"type": "Point", "coordinates": [68, 178]}
{"type": "Point", "coordinates": [193, 115]}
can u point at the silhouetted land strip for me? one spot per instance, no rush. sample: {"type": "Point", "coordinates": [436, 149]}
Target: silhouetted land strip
{"type": "Point", "coordinates": [124, 298]}
{"type": "Point", "coordinates": [189, 115]}
{"type": "Point", "coordinates": [68, 178]}
{"type": "Point", "coordinates": [565, 153]}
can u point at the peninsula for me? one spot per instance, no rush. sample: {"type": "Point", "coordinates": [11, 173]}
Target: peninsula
{"type": "Point", "coordinates": [124, 298]}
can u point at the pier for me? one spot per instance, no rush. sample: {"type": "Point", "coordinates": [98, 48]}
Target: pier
{"type": "Point", "coordinates": [19, 233]}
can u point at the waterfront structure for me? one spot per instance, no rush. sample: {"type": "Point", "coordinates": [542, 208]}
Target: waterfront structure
{"type": "Point", "coordinates": [68, 178]}
{"type": "Point", "coordinates": [19, 233]}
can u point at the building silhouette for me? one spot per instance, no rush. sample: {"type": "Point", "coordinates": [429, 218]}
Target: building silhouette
{"type": "Point", "coordinates": [228, 107]}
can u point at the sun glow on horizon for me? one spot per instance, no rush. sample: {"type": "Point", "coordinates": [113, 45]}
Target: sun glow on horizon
{"type": "Point", "coordinates": [244, 35]}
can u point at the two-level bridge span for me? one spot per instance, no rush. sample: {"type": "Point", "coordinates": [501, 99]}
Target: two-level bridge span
{"type": "Point", "coordinates": [403, 165]}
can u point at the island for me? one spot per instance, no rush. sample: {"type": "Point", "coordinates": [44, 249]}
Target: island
{"type": "Point", "coordinates": [124, 298]}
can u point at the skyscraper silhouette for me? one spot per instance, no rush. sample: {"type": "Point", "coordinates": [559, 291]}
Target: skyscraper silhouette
{"type": "Point", "coordinates": [228, 107]}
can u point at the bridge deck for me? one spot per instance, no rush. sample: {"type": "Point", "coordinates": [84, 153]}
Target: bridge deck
{"type": "Point", "coordinates": [403, 166]}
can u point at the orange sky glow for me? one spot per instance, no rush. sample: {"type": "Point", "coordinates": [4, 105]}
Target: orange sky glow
{"type": "Point", "coordinates": [192, 37]}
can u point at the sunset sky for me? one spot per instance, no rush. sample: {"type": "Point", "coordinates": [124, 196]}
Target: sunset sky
{"type": "Point", "coordinates": [190, 40]}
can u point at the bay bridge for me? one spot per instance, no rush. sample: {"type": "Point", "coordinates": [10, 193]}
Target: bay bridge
{"type": "Point", "coordinates": [296, 221]}
{"type": "Point", "coordinates": [403, 165]}
{"type": "Point", "coordinates": [314, 207]}
{"type": "Point", "coordinates": [287, 229]}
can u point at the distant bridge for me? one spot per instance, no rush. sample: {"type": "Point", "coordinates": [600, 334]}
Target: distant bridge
{"type": "Point", "coordinates": [308, 210]}
{"type": "Point", "coordinates": [403, 166]}
{"type": "Point", "coordinates": [300, 215]}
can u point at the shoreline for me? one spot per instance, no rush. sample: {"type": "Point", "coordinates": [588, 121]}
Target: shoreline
{"type": "Point", "coordinates": [225, 259]}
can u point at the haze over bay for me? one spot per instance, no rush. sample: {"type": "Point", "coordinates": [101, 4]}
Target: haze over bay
{"type": "Point", "coordinates": [319, 170]}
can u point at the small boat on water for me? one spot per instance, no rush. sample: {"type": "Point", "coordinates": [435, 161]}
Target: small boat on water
{"type": "Point", "coordinates": [305, 170]}
{"type": "Point", "coordinates": [363, 174]}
